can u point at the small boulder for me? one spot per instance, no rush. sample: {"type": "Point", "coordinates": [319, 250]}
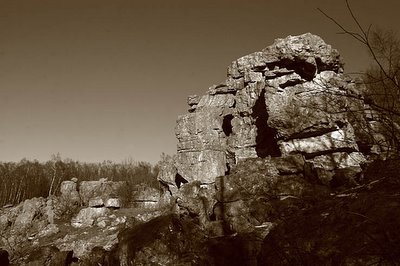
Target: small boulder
{"type": "Point", "coordinates": [113, 203]}
{"type": "Point", "coordinates": [96, 202]}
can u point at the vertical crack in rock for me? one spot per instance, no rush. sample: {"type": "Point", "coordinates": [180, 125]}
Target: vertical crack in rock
{"type": "Point", "coordinates": [266, 144]}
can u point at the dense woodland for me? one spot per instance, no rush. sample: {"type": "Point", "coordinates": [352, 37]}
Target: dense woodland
{"type": "Point", "coordinates": [27, 179]}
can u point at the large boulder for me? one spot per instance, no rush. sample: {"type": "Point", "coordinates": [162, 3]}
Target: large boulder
{"type": "Point", "coordinates": [69, 191]}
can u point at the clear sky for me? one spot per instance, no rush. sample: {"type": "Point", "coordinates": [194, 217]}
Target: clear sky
{"type": "Point", "coordinates": [100, 80]}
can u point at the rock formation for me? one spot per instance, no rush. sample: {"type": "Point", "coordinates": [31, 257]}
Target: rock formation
{"type": "Point", "coordinates": [273, 141]}
{"type": "Point", "coordinates": [291, 98]}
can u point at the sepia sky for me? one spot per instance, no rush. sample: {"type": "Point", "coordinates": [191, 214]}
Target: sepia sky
{"type": "Point", "coordinates": [100, 80]}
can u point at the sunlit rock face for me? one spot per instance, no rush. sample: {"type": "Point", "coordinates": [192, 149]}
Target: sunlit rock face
{"type": "Point", "coordinates": [290, 98]}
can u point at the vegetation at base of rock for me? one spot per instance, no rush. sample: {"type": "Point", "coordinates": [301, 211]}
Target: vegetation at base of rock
{"type": "Point", "coordinates": [28, 179]}
{"type": "Point", "coordinates": [350, 226]}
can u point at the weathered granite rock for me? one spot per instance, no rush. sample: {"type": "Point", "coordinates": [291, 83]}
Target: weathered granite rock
{"type": "Point", "coordinates": [31, 208]}
{"type": "Point", "coordinates": [69, 200]}
{"type": "Point", "coordinates": [4, 221]}
{"type": "Point", "coordinates": [96, 202]}
{"type": "Point", "coordinates": [98, 189]}
{"type": "Point", "coordinates": [332, 141]}
{"type": "Point", "coordinates": [69, 192]}
{"type": "Point", "coordinates": [201, 165]}
{"type": "Point", "coordinates": [49, 230]}
{"type": "Point", "coordinates": [290, 99]}
{"type": "Point", "coordinates": [87, 216]}
{"type": "Point", "coordinates": [113, 203]}
{"type": "Point", "coordinates": [195, 198]}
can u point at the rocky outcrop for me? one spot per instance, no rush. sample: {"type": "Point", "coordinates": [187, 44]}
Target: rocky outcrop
{"type": "Point", "coordinates": [291, 98]}
{"type": "Point", "coordinates": [29, 218]}
{"type": "Point", "coordinates": [254, 152]}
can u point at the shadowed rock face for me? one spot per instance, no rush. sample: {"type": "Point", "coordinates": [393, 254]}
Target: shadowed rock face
{"type": "Point", "coordinates": [290, 98]}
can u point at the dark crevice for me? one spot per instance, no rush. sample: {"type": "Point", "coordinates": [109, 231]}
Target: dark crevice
{"type": "Point", "coordinates": [340, 124]}
{"type": "Point", "coordinates": [310, 134]}
{"type": "Point", "coordinates": [230, 158]}
{"type": "Point", "coordinates": [258, 68]}
{"type": "Point", "coordinates": [227, 125]}
{"type": "Point", "coordinates": [290, 83]}
{"type": "Point", "coordinates": [304, 69]}
{"type": "Point", "coordinates": [179, 180]}
{"type": "Point", "coordinates": [266, 144]}
{"type": "Point", "coordinates": [233, 92]}
{"type": "Point", "coordinates": [228, 169]}
{"type": "Point", "coordinates": [212, 217]}
{"type": "Point", "coordinates": [364, 147]}
{"type": "Point", "coordinates": [315, 154]}
{"type": "Point", "coordinates": [153, 201]}
{"type": "Point", "coordinates": [321, 66]}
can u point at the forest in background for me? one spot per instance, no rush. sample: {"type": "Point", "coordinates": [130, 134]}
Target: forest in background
{"type": "Point", "coordinates": [27, 179]}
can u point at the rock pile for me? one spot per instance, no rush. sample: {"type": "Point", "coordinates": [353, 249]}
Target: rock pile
{"type": "Point", "coordinates": [291, 98]}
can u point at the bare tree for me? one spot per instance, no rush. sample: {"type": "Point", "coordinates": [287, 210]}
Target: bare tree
{"type": "Point", "coordinates": [382, 78]}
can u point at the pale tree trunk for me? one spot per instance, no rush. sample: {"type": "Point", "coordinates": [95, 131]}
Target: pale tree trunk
{"type": "Point", "coordinates": [52, 180]}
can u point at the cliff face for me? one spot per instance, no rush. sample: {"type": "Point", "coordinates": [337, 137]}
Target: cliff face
{"type": "Point", "coordinates": [290, 98]}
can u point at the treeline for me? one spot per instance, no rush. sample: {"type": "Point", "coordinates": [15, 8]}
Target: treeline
{"type": "Point", "coordinates": [27, 179]}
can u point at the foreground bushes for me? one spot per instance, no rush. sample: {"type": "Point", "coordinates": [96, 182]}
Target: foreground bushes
{"type": "Point", "coordinates": [354, 226]}
{"type": "Point", "coordinates": [27, 179]}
